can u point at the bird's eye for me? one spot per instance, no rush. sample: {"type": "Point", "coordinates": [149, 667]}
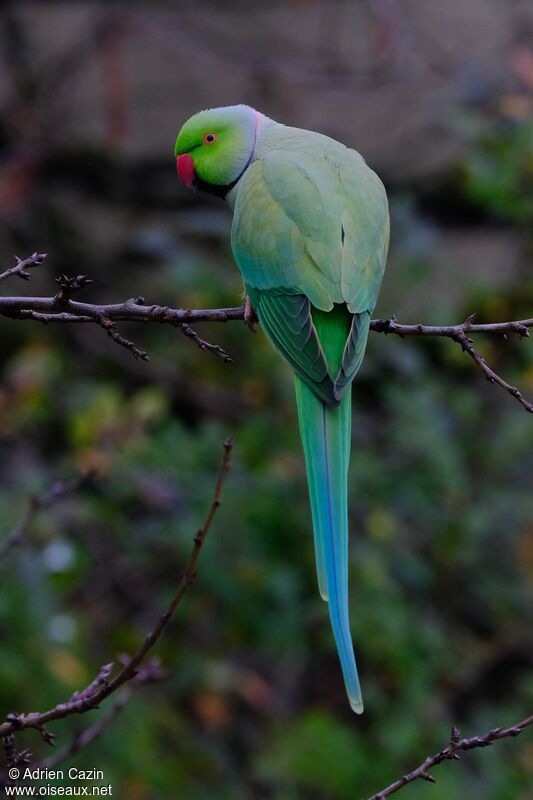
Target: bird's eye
{"type": "Point", "coordinates": [210, 138]}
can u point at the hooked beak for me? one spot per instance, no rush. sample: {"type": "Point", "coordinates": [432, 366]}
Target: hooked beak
{"type": "Point", "coordinates": [186, 172]}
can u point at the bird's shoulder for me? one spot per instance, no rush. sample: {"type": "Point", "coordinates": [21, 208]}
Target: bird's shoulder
{"type": "Point", "coordinates": [308, 173]}
{"type": "Point", "coordinates": [309, 213]}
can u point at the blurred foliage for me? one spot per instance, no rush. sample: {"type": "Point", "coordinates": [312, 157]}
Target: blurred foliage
{"type": "Point", "coordinates": [441, 551]}
{"type": "Point", "coordinates": [499, 175]}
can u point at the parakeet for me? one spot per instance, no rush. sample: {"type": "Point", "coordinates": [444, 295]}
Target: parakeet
{"type": "Point", "coordinates": [310, 236]}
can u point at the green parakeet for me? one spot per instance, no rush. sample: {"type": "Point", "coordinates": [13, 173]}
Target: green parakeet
{"type": "Point", "coordinates": [310, 236]}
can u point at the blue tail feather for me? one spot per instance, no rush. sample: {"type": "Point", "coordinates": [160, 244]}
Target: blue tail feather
{"type": "Point", "coordinates": [326, 434]}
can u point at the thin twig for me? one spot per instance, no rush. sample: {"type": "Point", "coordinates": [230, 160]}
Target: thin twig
{"type": "Point", "coordinates": [490, 375]}
{"type": "Point", "coordinates": [203, 345]}
{"type": "Point", "coordinates": [451, 753]}
{"type": "Point", "coordinates": [459, 334]}
{"type": "Point", "coordinates": [61, 308]}
{"type": "Point", "coordinates": [36, 503]}
{"type": "Point", "coordinates": [391, 325]}
{"type": "Point", "coordinates": [65, 310]}
{"type": "Point", "coordinates": [13, 758]}
{"type": "Point", "coordinates": [22, 266]}
{"type": "Point", "coordinates": [129, 311]}
{"type": "Point", "coordinates": [151, 672]}
{"type": "Point", "coordinates": [42, 309]}
{"type": "Point", "coordinates": [187, 579]}
{"type": "Point", "coordinates": [102, 686]}
{"type": "Point", "coordinates": [111, 330]}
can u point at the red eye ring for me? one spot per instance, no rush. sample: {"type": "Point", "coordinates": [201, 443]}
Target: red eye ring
{"type": "Point", "coordinates": [210, 137]}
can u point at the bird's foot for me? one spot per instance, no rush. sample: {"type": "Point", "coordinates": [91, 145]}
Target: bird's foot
{"type": "Point", "coordinates": [250, 318]}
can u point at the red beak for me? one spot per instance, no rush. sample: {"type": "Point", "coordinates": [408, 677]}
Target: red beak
{"type": "Point", "coordinates": [185, 167]}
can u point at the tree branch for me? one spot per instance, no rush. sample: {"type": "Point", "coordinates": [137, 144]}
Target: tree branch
{"type": "Point", "coordinates": [103, 685]}
{"type": "Point", "coordinates": [65, 310]}
{"type": "Point", "coordinates": [451, 753]}
{"type": "Point", "coordinates": [61, 308]}
{"type": "Point", "coordinates": [459, 334]}
{"type": "Point", "coordinates": [151, 672]}
{"type": "Point", "coordinates": [21, 267]}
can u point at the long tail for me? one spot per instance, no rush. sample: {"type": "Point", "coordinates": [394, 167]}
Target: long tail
{"type": "Point", "coordinates": [326, 434]}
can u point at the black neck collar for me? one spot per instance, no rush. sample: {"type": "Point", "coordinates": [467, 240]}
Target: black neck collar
{"type": "Point", "coordinates": [216, 189]}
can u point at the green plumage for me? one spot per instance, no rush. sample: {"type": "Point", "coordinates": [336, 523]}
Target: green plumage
{"type": "Point", "coordinates": [326, 434]}
{"type": "Point", "coordinates": [310, 236]}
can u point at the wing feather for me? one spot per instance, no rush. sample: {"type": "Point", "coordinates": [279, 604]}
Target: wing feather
{"type": "Point", "coordinates": [311, 231]}
{"type": "Point", "coordinates": [287, 321]}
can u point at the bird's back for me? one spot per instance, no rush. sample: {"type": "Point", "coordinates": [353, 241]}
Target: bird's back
{"type": "Point", "coordinates": [337, 206]}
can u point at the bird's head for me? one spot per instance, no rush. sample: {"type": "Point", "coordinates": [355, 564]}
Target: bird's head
{"type": "Point", "coordinates": [214, 147]}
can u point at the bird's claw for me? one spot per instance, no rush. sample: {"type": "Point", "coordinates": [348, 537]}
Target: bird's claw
{"type": "Point", "coordinates": [250, 318]}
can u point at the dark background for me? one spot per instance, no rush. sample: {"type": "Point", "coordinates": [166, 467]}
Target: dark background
{"type": "Point", "coordinates": [439, 99]}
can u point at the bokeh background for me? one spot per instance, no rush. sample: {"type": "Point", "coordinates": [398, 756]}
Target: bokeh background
{"type": "Point", "coordinates": [439, 99]}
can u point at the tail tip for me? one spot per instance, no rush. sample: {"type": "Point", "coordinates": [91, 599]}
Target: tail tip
{"type": "Point", "coordinates": [357, 705]}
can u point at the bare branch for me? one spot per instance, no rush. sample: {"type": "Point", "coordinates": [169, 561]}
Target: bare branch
{"type": "Point", "coordinates": [21, 267]}
{"type": "Point", "coordinates": [13, 758]}
{"type": "Point", "coordinates": [103, 685]}
{"type": "Point", "coordinates": [151, 672]}
{"type": "Point", "coordinates": [63, 309]}
{"type": "Point", "coordinates": [37, 503]}
{"type": "Point", "coordinates": [451, 753]}
{"type": "Point", "coordinates": [203, 345]}
{"type": "Point", "coordinates": [459, 334]}
{"type": "Point", "coordinates": [491, 376]}
{"type": "Point", "coordinates": [519, 327]}
{"type": "Point", "coordinates": [111, 330]}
